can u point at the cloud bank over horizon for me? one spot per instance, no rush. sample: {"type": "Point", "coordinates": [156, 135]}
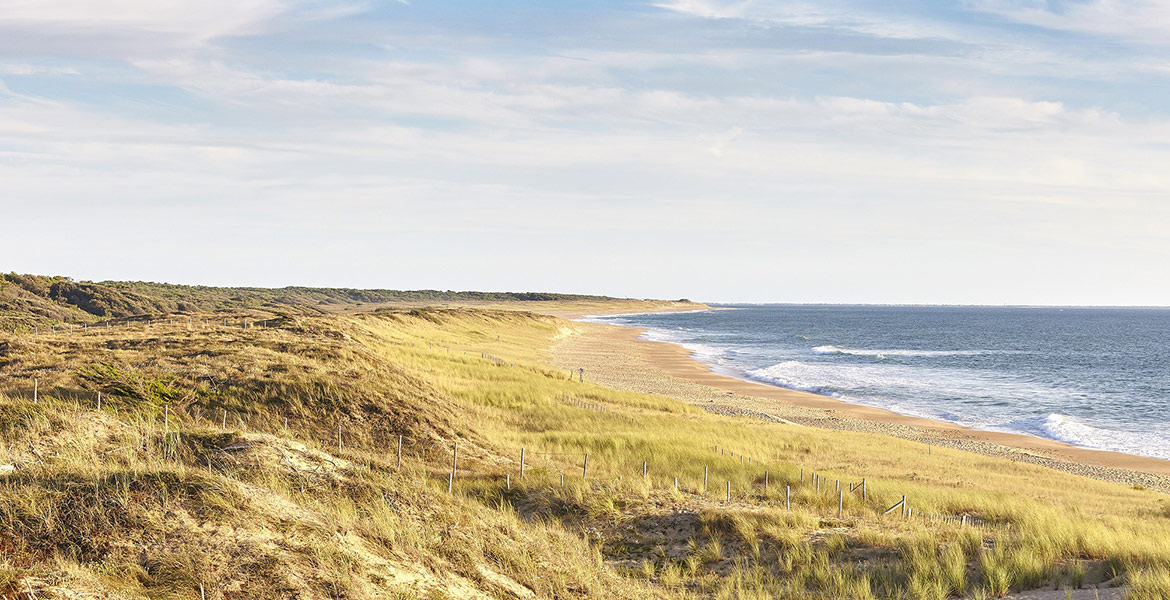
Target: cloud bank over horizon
{"type": "Point", "coordinates": [980, 151]}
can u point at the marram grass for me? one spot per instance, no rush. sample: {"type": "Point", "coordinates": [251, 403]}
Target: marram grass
{"type": "Point", "coordinates": [276, 472]}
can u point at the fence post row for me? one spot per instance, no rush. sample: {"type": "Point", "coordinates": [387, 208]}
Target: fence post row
{"type": "Point", "coordinates": [906, 511]}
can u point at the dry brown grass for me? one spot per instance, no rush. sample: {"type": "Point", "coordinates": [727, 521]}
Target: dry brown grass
{"type": "Point", "coordinates": [117, 503]}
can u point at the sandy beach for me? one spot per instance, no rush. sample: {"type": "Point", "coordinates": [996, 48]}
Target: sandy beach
{"type": "Point", "coordinates": [615, 356]}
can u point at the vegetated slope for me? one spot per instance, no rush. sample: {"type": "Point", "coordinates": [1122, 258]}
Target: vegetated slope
{"type": "Point", "coordinates": [215, 466]}
{"type": "Point", "coordinates": [32, 299]}
{"type": "Point", "coordinates": [191, 476]}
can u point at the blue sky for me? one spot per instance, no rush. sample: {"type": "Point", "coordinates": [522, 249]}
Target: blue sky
{"type": "Point", "coordinates": [980, 151]}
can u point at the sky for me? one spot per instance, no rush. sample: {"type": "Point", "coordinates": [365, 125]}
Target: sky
{"type": "Point", "coordinates": [969, 152]}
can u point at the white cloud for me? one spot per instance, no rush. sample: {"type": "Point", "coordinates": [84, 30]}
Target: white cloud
{"type": "Point", "coordinates": [140, 26]}
{"type": "Point", "coordinates": [25, 69]}
{"type": "Point", "coordinates": [829, 14]}
{"type": "Point", "coordinates": [190, 20]}
{"type": "Point", "coordinates": [710, 9]}
{"type": "Point", "coordinates": [530, 127]}
{"type": "Point", "coordinates": [1138, 20]}
{"type": "Point", "coordinates": [720, 144]}
{"type": "Point", "coordinates": [437, 138]}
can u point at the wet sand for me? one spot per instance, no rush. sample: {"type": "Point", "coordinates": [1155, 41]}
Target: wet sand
{"type": "Point", "coordinates": [615, 356]}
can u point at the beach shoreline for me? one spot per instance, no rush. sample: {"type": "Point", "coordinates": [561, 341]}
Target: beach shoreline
{"type": "Point", "coordinates": [669, 369]}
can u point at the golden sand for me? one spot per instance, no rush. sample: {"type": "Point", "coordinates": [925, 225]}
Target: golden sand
{"type": "Point", "coordinates": [615, 356]}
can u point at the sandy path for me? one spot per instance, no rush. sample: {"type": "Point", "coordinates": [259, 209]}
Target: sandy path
{"type": "Point", "coordinates": [614, 356]}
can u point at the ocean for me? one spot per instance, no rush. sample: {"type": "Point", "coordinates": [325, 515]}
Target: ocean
{"type": "Point", "coordinates": [1093, 377]}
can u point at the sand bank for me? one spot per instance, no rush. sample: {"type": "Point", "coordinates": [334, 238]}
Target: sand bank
{"type": "Point", "coordinates": [615, 356]}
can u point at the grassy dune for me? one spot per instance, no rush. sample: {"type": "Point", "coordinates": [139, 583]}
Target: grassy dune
{"type": "Point", "coordinates": [263, 463]}
{"type": "Point", "coordinates": [29, 302]}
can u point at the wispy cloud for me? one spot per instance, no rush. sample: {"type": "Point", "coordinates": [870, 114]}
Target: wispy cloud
{"type": "Point", "coordinates": [925, 132]}
{"type": "Point", "coordinates": [1145, 21]}
{"type": "Point", "coordinates": [136, 26]}
{"type": "Point", "coordinates": [829, 14]}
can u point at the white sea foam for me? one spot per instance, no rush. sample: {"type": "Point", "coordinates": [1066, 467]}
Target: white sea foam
{"type": "Point", "coordinates": [1075, 431]}
{"type": "Point", "coordinates": [865, 379]}
{"type": "Point", "coordinates": [706, 353]}
{"type": "Point", "coordinates": [1034, 399]}
{"type": "Point", "coordinates": [609, 317]}
{"type": "Point", "coordinates": [896, 352]}
{"type": "Point", "coordinates": [908, 390]}
{"type": "Point", "coordinates": [795, 375]}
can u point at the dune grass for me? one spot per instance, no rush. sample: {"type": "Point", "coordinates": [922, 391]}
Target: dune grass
{"type": "Point", "coordinates": [343, 511]}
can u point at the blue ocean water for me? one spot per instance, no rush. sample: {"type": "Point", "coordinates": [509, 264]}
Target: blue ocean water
{"type": "Point", "coordinates": [1093, 377]}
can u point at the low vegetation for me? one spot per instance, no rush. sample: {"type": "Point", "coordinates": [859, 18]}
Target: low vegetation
{"type": "Point", "coordinates": [28, 301]}
{"type": "Point", "coordinates": [227, 462]}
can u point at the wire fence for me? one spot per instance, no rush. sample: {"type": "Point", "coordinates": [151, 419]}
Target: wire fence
{"type": "Point", "coordinates": [584, 470]}
{"type": "Point", "coordinates": [525, 461]}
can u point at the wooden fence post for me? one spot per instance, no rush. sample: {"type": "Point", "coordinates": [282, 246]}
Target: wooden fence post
{"type": "Point", "coordinates": [765, 483]}
{"type": "Point", "coordinates": [840, 503]}
{"type": "Point", "coordinates": [522, 462]}
{"type": "Point", "coordinates": [585, 467]}
{"type": "Point", "coordinates": [643, 469]}
{"type": "Point", "coordinates": [864, 495]}
{"type": "Point", "coordinates": [788, 497]}
{"type": "Point", "coordinates": [36, 391]}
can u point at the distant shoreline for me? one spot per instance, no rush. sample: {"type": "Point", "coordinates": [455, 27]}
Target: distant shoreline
{"type": "Point", "coordinates": [744, 396]}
